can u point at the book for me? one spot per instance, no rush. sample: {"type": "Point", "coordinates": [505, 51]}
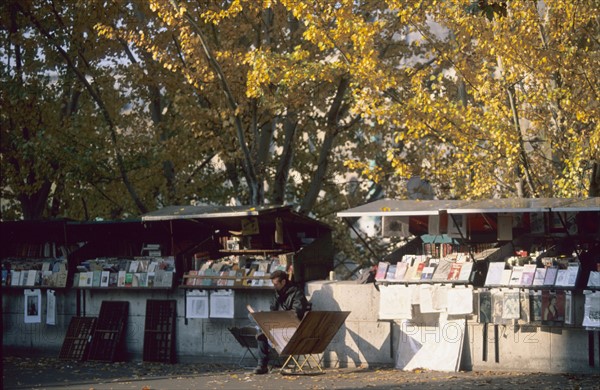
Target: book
{"type": "Point", "coordinates": [573, 274]}
{"type": "Point", "coordinates": [419, 271]}
{"type": "Point", "coordinates": [150, 279]}
{"type": "Point", "coordinates": [427, 273]}
{"type": "Point", "coordinates": [76, 278]}
{"type": "Point", "coordinates": [96, 278]}
{"type": "Point", "coordinates": [381, 270]}
{"type": "Point", "coordinates": [135, 282]}
{"type": "Point", "coordinates": [550, 277]}
{"type": "Point", "coordinates": [538, 278]}
{"type": "Point", "coordinates": [515, 276]}
{"type": "Point", "coordinates": [391, 272]}
{"type": "Point", "coordinates": [15, 277]}
{"type": "Point", "coordinates": [223, 282]}
{"type": "Point", "coordinates": [442, 270]}
{"type": "Point", "coordinates": [121, 278]}
{"type": "Point", "coordinates": [505, 279]}
{"type": "Point", "coordinates": [32, 277]}
{"type": "Point", "coordinates": [465, 272]}
{"type": "Point", "coordinates": [594, 279]}
{"type": "Point", "coordinates": [133, 267]}
{"type": "Point", "coordinates": [112, 279]}
{"type": "Point", "coordinates": [454, 271]}
{"type": "Point", "coordinates": [494, 274]}
{"type": "Point", "coordinates": [191, 279]}
{"type": "Point", "coordinates": [528, 275]}
{"type": "Point", "coordinates": [562, 278]}
{"type": "Point", "coordinates": [401, 271]}
{"type": "Point", "coordinates": [128, 279]}
{"type": "Point", "coordinates": [104, 279]}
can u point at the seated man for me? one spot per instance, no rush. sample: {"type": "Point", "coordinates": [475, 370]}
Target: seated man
{"type": "Point", "coordinates": [287, 297]}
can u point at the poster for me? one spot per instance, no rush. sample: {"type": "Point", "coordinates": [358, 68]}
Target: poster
{"type": "Point", "coordinates": [51, 307]}
{"type": "Point", "coordinates": [222, 304]}
{"type": "Point", "coordinates": [33, 306]}
{"type": "Point", "coordinates": [395, 302]}
{"type": "Point", "coordinates": [196, 304]}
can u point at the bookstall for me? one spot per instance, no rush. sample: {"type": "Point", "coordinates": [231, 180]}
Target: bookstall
{"type": "Point", "coordinates": [527, 269]}
{"type": "Point", "coordinates": [160, 258]}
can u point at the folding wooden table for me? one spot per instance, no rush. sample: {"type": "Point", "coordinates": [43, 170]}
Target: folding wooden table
{"type": "Point", "coordinates": [299, 340]}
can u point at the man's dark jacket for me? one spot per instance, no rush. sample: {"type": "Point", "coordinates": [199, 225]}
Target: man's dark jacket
{"type": "Point", "coordinates": [290, 297]}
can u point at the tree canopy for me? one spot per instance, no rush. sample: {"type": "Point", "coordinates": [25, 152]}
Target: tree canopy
{"type": "Point", "coordinates": [111, 109]}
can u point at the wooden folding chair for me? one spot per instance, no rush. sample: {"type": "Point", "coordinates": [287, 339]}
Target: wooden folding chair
{"type": "Point", "coordinates": [246, 337]}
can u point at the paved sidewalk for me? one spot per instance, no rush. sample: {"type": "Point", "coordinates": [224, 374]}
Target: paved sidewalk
{"type": "Point", "coordinates": [52, 373]}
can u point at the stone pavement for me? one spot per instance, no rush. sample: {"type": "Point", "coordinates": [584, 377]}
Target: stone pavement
{"type": "Point", "coordinates": [52, 373]}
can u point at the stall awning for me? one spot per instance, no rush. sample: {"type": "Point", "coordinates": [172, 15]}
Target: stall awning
{"type": "Point", "coordinates": [170, 213]}
{"type": "Point", "coordinates": [509, 205]}
{"type": "Point", "coordinates": [585, 204]}
{"type": "Point", "coordinates": [393, 207]}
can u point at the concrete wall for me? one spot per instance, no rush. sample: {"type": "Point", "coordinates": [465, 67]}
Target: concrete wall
{"type": "Point", "coordinates": [196, 339]}
{"type": "Point", "coordinates": [362, 341]}
{"type": "Point", "coordinates": [366, 341]}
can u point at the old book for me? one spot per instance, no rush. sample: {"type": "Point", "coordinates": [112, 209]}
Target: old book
{"type": "Point", "coordinates": [427, 273]}
{"type": "Point", "coordinates": [515, 276]}
{"type": "Point", "coordinates": [506, 274]}
{"type": "Point", "coordinates": [419, 271]}
{"type": "Point", "coordinates": [465, 272]}
{"type": "Point", "coordinates": [15, 277]}
{"type": "Point", "coordinates": [562, 278]}
{"type": "Point", "coordinates": [442, 270]}
{"type": "Point", "coordinates": [191, 279]}
{"type": "Point", "coordinates": [401, 271]}
{"type": "Point", "coordinates": [538, 278]}
{"type": "Point", "coordinates": [121, 278]}
{"type": "Point", "coordinates": [32, 277]}
{"type": "Point", "coordinates": [150, 279]}
{"type": "Point", "coordinates": [381, 270]}
{"type": "Point", "coordinates": [76, 278]}
{"type": "Point", "coordinates": [112, 279]}
{"type": "Point", "coordinates": [223, 282]}
{"type": "Point", "coordinates": [391, 272]}
{"type": "Point", "coordinates": [550, 277]}
{"type": "Point", "coordinates": [133, 267]}
{"type": "Point", "coordinates": [528, 275]}
{"type": "Point", "coordinates": [594, 279]}
{"type": "Point", "coordinates": [573, 274]}
{"type": "Point", "coordinates": [128, 279]}
{"type": "Point", "coordinates": [454, 271]}
{"type": "Point", "coordinates": [96, 278]}
{"type": "Point", "coordinates": [494, 274]}
{"type": "Point", "coordinates": [104, 279]}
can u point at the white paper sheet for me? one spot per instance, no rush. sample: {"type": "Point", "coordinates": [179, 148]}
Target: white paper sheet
{"type": "Point", "coordinates": [50, 307]}
{"type": "Point", "coordinates": [426, 299]}
{"type": "Point", "coordinates": [460, 301]}
{"type": "Point", "coordinates": [591, 309]}
{"type": "Point", "coordinates": [222, 304]}
{"type": "Point", "coordinates": [395, 302]}
{"type": "Point", "coordinates": [196, 304]}
{"type": "Point", "coordinates": [435, 348]}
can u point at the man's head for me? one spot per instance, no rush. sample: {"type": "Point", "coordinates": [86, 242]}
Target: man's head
{"type": "Point", "coordinates": [280, 279]}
